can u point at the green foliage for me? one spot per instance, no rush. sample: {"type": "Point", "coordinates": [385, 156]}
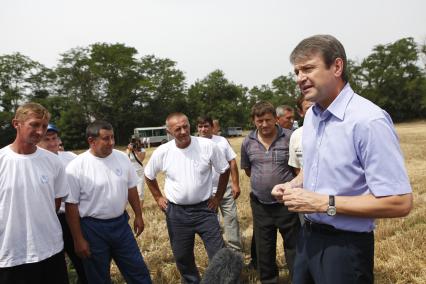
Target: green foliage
{"type": "Point", "coordinates": [392, 78]}
{"type": "Point", "coordinates": [72, 127]}
{"type": "Point", "coordinates": [108, 82]}
{"type": "Point", "coordinates": [111, 82]}
{"type": "Point", "coordinates": [219, 98]}
{"type": "Point", "coordinates": [162, 91]}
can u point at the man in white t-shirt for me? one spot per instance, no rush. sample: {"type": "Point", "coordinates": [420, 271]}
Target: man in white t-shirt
{"type": "Point", "coordinates": [228, 206]}
{"type": "Point", "coordinates": [295, 159]}
{"type": "Point", "coordinates": [32, 184]}
{"type": "Point", "coordinates": [189, 204]}
{"type": "Point", "coordinates": [102, 180]}
{"type": "Point", "coordinates": [50, 142]}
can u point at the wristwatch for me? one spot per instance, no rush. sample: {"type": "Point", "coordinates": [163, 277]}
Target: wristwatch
{"type": "Point", "coordinates": [331, 209]}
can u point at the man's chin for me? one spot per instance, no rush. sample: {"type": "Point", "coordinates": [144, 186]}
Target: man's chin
{"type": "Point", "coordinates": [266, 133]}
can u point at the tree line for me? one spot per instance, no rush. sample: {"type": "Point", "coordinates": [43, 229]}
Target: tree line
{"type": "Point", "coordinates": [112, 82]}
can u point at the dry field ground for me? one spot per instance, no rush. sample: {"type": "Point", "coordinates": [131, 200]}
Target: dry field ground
{"type": "Point", "coordinates": [400, 246]}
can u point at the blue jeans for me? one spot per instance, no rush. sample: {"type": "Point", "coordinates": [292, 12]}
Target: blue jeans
{"type": "Point", "coordinates": [183, 222]}
{"type": "Point", "coordinates": [112, 239]}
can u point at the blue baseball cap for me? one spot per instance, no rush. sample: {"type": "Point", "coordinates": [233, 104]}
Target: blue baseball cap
{"type": "Point", "coordinates": [52, 127]}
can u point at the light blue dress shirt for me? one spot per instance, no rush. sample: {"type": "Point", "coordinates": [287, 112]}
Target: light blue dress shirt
{"type": "Point", "coordinates": [351, 149]}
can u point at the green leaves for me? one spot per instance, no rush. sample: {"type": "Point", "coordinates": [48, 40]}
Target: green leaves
{"type": "Point", "coordinates": [113, 82]}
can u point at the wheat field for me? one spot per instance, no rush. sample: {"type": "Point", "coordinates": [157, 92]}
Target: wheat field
{"type": "Point", "coordinates": [399, 247]}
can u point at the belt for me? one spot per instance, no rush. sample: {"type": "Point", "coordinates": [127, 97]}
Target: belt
{"type": "Point", "coordinates": [202, 203]}
{"type": "Point", "coordinates": [105, 220]}
{"type": "Point", "coordinates": [328, 229]}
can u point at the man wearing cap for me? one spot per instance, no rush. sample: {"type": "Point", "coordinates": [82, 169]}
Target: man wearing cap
{"type": "Point", "coordinates": [32, 184]}
{"type": "Point", "coordinates": [50, 142]}
{"type": "Point", "coordinates": [102, 181]}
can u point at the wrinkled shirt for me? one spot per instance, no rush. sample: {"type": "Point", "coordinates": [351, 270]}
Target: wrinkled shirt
{"type": "Point", "coordinates": [268, 167]}
{"type": "Point", "coordinates": [351, 149]}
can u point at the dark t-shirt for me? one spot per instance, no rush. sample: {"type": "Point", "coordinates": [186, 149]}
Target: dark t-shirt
{"type": "Point", "coordinates": [268, 167]}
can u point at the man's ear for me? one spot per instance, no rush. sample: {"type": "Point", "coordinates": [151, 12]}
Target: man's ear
{"type": "Point", "coordinates": [90, 140]}
{"type": "Point", "coordinates": [338, 67]}
{"type": "Point", "coordinates": [15, 123]}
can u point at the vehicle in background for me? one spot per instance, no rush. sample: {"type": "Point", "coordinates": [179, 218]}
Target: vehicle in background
{"type": "Point", "coordinates": [234, 131]}
{"type": "Point", "coordinates": [156, 135]}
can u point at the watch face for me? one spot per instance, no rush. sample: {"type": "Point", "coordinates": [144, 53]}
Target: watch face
{"type": "Point", "coordinates": [331, 211]}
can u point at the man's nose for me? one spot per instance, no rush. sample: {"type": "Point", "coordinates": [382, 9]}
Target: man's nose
{"type": "Point", "coordinates": [301, 76]}
{"type": "Point", "coordinates": [41, 130]}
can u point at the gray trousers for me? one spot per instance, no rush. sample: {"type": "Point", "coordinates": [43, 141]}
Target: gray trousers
{"type": "Point", "coordinates": [228, 208]}
{"type": "Point", "coordinates": [183, 222]}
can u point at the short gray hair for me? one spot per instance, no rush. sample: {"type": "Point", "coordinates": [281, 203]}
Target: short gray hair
{"type": "Point", "coordinates": [280, 109]}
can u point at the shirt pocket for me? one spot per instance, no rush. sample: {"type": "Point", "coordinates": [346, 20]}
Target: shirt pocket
{"type": "Point", "coordinates": [280, 156]}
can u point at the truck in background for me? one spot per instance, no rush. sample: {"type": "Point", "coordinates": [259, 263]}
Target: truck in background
{"type": "Point", "coordinates": [154, 135]}
{"type": "Point", "coordinates": [234, 131]}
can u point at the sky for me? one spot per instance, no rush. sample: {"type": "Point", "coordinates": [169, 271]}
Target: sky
{"type": "Point", "coordinates": [250, 41]}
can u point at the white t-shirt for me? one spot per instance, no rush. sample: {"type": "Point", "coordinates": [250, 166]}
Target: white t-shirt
{"type": "Point", "coordinates": [65, 157]}
{"type": "Point", "coordinates": [227, 151]}
{"type": "Point", "coordinates": [139, 172]}
{"type": "Point", "coordinates": [295, 149]}
{"type": "Point", "coordinates": [188, 171]}
{"type": "Point", "coordinates": [100, 185]}
{"type": "Point", "coordinates": [29, 228]}
{"type": "Point", "coordinates": [132, 158]}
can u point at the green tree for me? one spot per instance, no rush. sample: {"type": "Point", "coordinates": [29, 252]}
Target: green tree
{"type": "Point", "coordinates": [221, 99]}
{"type": "Point", "coordinates": [162, 90]}
{"type": "Point", "coordinates": [107, 81]}
{"type": "Point", "coordinates": [21, 80]}
{"type": "Point", "coordinates": [103, 81]}
{"type": "Point", "coordinates": [392, 78]}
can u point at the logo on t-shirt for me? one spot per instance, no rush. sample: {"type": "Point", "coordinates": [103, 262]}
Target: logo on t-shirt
{"type": "Point", "coordinates": [44, 179]}
{"type": "Point", "coordinates": [118, 171]}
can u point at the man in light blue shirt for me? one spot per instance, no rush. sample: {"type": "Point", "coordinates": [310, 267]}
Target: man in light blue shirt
{"type": "Point", "coordinates": [353, 170]}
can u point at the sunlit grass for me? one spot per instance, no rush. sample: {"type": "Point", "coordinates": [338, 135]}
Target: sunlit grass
{"type": "Point", "coordinates": [400, 247]}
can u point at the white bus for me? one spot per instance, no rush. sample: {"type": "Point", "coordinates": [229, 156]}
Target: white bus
{"type": "Point", "coordinates": [234, 131]}
{"type": "Point", "coordinates": [157, 135]}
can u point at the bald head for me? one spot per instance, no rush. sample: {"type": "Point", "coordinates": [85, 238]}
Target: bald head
{"type": "Point", "coordinates": [178, 126]}
{"type": "Point", "coordinates": [174, 117]}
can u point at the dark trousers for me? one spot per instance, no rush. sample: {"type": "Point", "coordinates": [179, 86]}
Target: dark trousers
{"type": "Point", "coordinates": [327, 255]}
{"type": "Point", "coordinates": [183, 222]}
{"type": "Point", "coordinates": [52, 270]}
{"type": "Point", "coordinates": [112, 239]}
{"type": "Point", "coordinates": [69, 249]}
{"type": "Point", "coordinates": [267, 219]}
{"type": "Point", "coordinates": [253, 254]}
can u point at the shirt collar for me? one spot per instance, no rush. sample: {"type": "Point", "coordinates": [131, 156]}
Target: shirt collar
{"type": "Point", "coordinates": [280, 132]}
{"type": "Point", "coordinates": [338, 106]}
